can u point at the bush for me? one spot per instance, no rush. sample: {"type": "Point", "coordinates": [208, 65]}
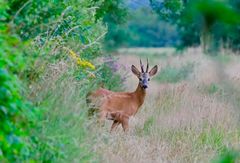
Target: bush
{"type": "Point", "coordinates": [45, 72]}
{"type": "Point", "coordinates": [16, 113]}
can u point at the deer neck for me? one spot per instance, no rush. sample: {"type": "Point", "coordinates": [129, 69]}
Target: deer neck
{"type": "Point", "coordinates": [140, 94]}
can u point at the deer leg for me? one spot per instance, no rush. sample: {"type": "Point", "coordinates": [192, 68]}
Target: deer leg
{"type": "Point", "coordinates": [118, 118]}
{"type": "Point", "coordinates": [114, 125]}
{"type": "Point", "coordinates": [125, 125]}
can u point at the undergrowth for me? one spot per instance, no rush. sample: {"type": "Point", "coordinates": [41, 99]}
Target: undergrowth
{"type": "Point", "coordinates": [48, 63]}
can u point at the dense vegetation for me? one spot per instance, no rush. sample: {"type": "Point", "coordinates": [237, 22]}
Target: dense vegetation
{"type": "Point", "coordinates": [47, 53]}
{"type": "Point", "coordinates": [52, 53]}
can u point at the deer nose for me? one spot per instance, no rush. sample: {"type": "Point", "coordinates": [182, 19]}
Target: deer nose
{"type": "Point", "coordinates": [145, 86]}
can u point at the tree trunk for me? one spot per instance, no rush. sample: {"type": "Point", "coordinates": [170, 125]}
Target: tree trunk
{"type": "Point", "coordinates": [206, 39]}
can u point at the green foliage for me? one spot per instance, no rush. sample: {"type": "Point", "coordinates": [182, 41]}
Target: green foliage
{"type": "Point", "coordinates": [173, 75]}
{"type": "Point", "coordinates": [209, 22]}
{"type": "Point", "coordinates": [113, 13]}
{"type": "Point", "coordinates": [151, 33]}
{"type": "Point", "coordinates": [227, 156]}
{"type": "Point", "coordinates": [168, 9]}
{"type": "Point", "coordinates": [3, 11]}
{"type": "Point", "coordinates": [137, 32]}
{"type": "Point", "coordinates": [110, 80]}
{"type": "Point", "coordinates": [16, 114]}
{"type": "Point", "coordinates": [212, 10]}
{"type": "Point", "coordinates": [36, 36]}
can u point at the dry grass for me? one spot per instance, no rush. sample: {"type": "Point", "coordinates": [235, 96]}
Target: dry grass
{"type": "Point", "coordinates": [181, 122]}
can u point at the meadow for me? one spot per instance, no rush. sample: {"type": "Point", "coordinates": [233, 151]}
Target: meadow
{"type": "Point", "coordinates": [188, 116]}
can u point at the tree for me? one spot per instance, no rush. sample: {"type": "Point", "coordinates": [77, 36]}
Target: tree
{"type": "Point", "coordinates": [197, 18]}
{"type": "Point", "coordinates": [113, 13]}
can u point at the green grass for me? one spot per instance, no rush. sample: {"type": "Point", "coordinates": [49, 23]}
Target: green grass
{"type": "Point", "coordinates": [64, 123]}
{"type": "Point", "coordinates": [212, 88]}
{"type": "Point", "coordinates": [227, 156]}
{"type": "Point", "coordinates": [173, 74]}
{"type": "Point", "coordinates": [148, 124]}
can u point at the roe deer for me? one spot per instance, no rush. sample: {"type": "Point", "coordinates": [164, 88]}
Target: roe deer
{"type": "Point", "coordinates": [119, 106]}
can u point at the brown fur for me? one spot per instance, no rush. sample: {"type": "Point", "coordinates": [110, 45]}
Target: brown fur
{"type": "Point", "coordinates": [118, 106]}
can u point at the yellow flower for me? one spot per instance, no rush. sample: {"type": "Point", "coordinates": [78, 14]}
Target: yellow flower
{"type": "Point", "coordinates": [72, 54]}
{"type": "Point", "coordinates": [90, 65]}
{"type": "Point", "coordinates": [79, 61]}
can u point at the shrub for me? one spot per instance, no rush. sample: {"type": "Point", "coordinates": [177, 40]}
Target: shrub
{"type": "Point", "coordinates": [16, 113]}
{"type": "Point", "coordinates": [47, 51]}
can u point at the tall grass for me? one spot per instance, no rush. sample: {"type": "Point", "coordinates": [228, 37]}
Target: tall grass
{"type": "Point", "coordinates": [64, 121]}
{"type": "Point", "coordinates": [173, 74]}
{"type": "Point", "coordinates": [184, 121]}
{"type": "Point", "coordinates": [64, 124]}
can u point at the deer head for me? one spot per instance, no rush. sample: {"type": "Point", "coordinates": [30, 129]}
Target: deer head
{"type": "Point", "coordinates": [144, 76]}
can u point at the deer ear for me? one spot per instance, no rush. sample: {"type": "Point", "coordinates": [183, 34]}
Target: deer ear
{"type": "Point", "coordinates": [135, 71]}
{"type": "Point", "coordinates": [153, 71]}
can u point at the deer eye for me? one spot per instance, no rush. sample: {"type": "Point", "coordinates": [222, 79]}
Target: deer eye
{"type": "Point", "coordinates": [140, 79]}
{"type": "Point", "coordinates": [148, 79]}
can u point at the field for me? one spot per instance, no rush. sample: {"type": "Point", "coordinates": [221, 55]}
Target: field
{"type": "Point", "coordinates": [191, 112]}
{"type": "Point", "coordinates": [53, 54]}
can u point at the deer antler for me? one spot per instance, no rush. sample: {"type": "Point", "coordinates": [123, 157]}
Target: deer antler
{"type": "Point", "coordinates": [147, 66]}
{"type": "Point", "coordinates": [141, 66]}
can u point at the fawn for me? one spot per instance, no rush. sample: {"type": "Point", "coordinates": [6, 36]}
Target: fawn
{"type": "Point", "coordinates": [119, 106]}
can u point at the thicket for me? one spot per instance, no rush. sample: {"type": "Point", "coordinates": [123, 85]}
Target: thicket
{"type": "Point", "coordinates": [48, 52]}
